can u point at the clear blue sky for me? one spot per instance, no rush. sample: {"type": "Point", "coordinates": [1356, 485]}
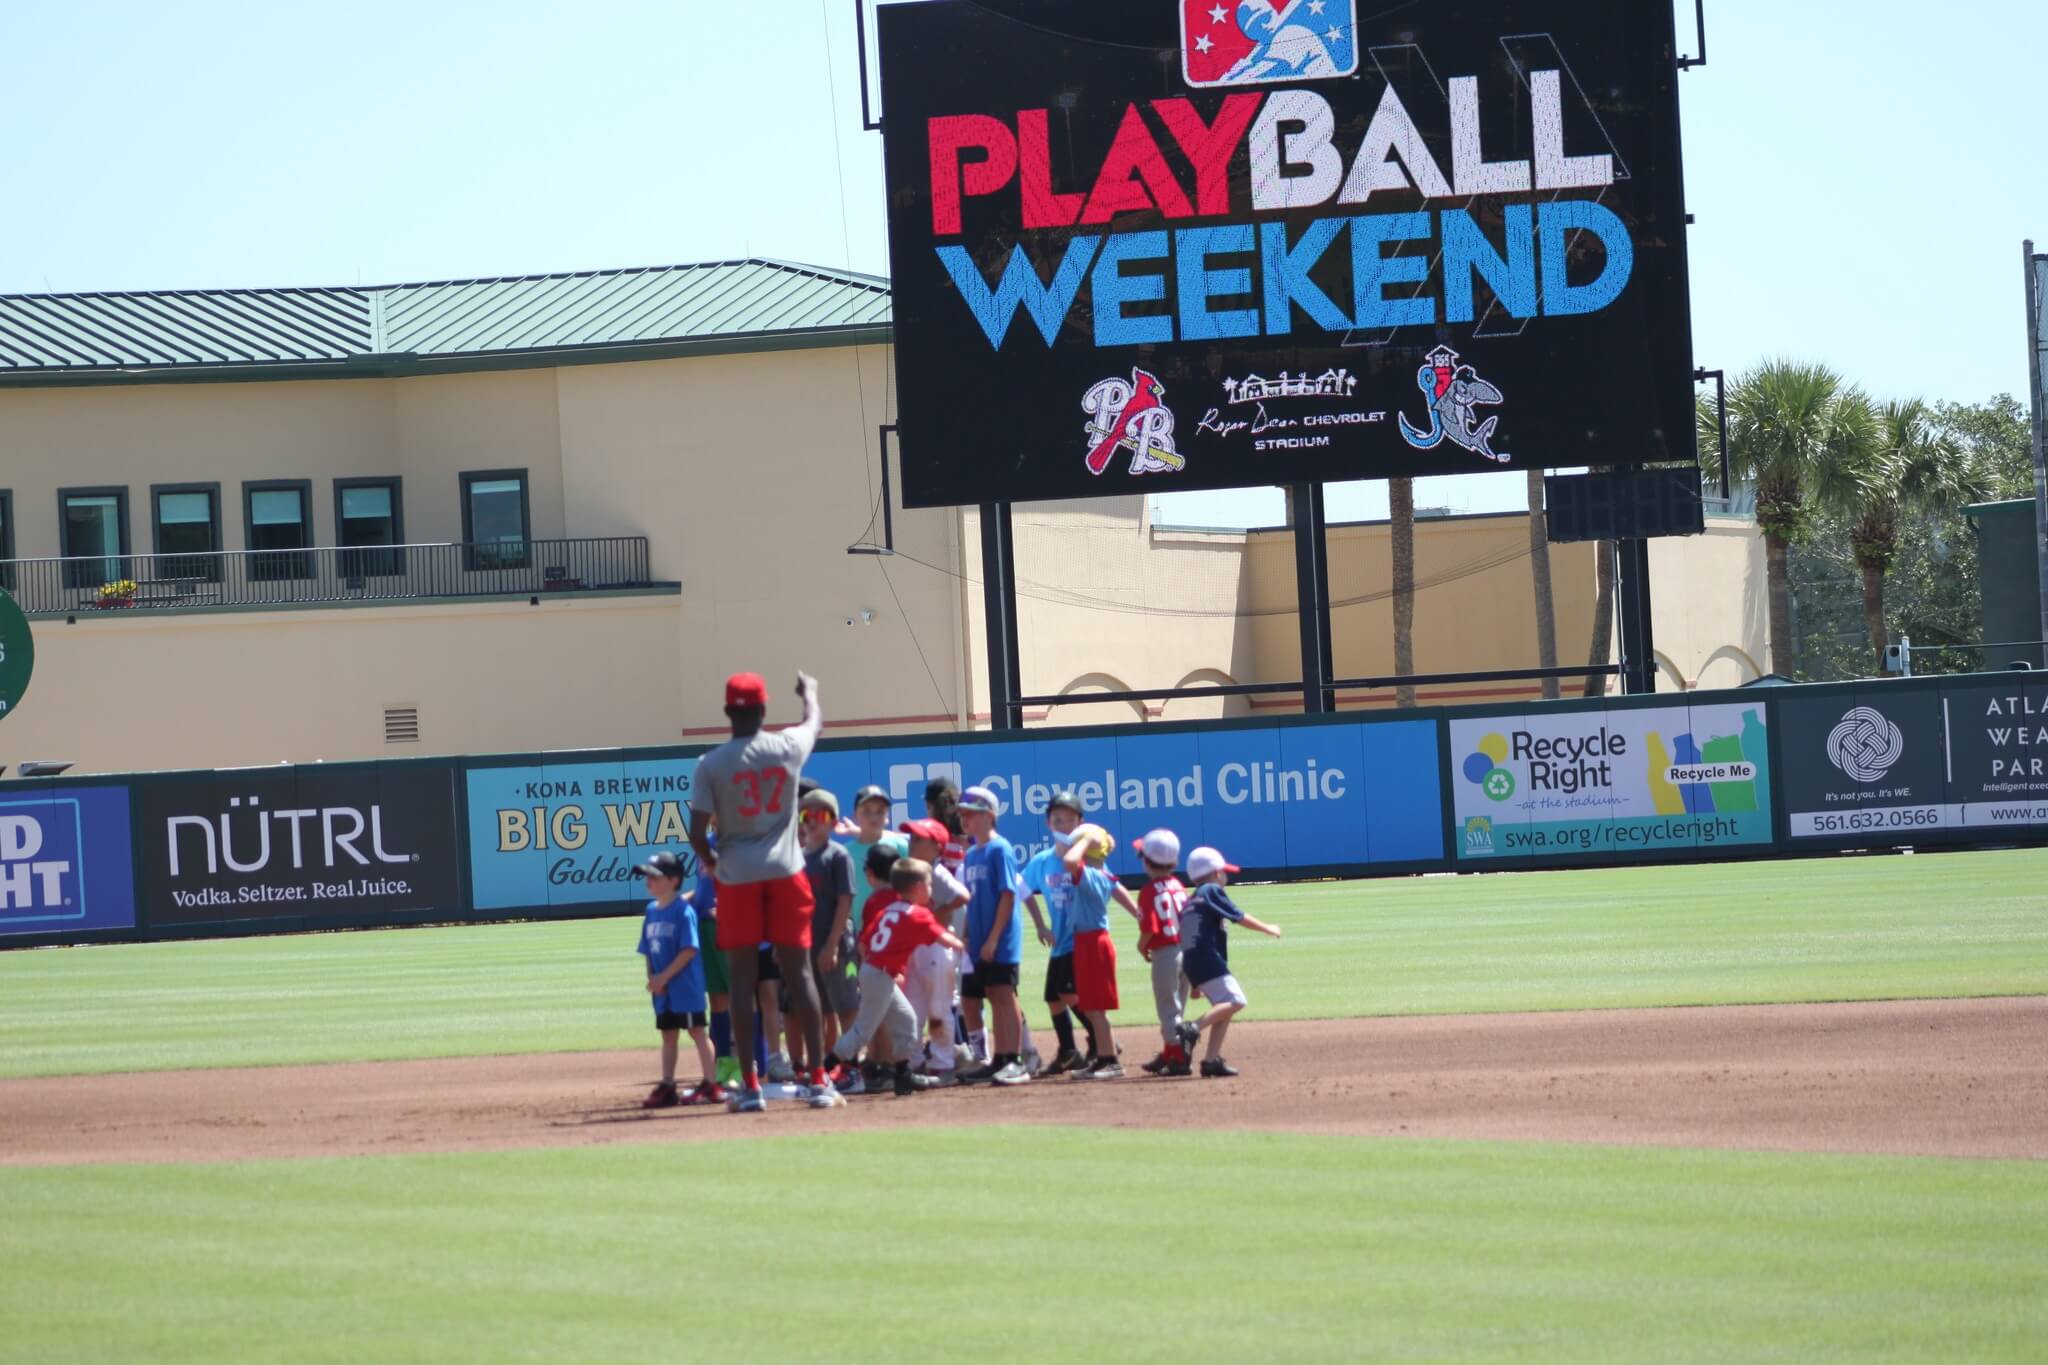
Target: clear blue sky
{"type": "Point", "coordinates": [1862, 170]}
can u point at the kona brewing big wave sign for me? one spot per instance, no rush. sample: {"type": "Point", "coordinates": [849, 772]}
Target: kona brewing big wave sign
{"type": "Point", "coordinates": [1177, 244]}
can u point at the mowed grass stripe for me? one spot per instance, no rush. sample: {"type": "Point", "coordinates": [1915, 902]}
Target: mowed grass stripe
{"type": "Point", "coordinates": [1837, 929]}
{"type": "Point", "coordinates": [1039, 1243]}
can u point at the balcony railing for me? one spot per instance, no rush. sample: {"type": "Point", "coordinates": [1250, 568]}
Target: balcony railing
{"type": "Point", "coordinates": [379, 573]}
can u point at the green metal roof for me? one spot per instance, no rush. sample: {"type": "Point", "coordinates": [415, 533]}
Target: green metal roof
{"type": "Point", "coordinates": [437, 326]}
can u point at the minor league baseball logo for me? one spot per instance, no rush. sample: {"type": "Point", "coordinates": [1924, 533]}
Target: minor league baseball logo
{"type": "Point", "coordinates": [1455, 393]}
{"type": "Point", "coordinates": [1129, 416]}
{"type": "Point", "coordinates": [1865, 744]}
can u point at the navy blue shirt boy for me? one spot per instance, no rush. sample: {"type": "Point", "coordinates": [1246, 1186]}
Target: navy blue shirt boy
{"type": "Point", "coordinates": [1205, 932]}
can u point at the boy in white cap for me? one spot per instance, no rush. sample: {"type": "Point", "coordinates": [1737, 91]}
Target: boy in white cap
{"type": "Point", "coordinates": [1205, 953]}
{"type": "Point", "coordinates": [1159, 909]}
{"type": "Point", "coordinates": [994, 937]}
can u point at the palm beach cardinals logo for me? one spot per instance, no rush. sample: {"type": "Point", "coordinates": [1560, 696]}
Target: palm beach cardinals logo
{"type": "Point", "coordinates": [1249, 42]}
{"type": "Point", "coordinates": [1129, 416]}
{"type": "Point", "coordinates": [1455, 393]}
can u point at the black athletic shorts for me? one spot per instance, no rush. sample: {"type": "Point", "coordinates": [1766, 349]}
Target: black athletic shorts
{"type": "Point", "coordinates": [769, 970]}
{"type": "Point", "coordinates": [974, 985]}
{"type": "Point", "coordinates": [664, 1020]}
{"type": "Point", "coordinates": [1059, 978]}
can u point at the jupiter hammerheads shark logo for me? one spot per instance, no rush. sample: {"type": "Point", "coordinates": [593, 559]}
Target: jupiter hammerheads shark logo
{"type": "Point", "coordinates": [1455, 393]}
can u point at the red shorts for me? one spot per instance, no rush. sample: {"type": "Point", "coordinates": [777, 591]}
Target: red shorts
{"type": "Point", "coordinates": [1094, 970]}
{"type": "Point", "coordinates": [777, 912]}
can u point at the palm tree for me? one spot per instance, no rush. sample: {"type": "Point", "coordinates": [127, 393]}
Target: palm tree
{"type": "Point", "coordinates": [1800, 436]}
{"type": "Point", "coordinates": [1401, 516]}
{"type": "Point", "coordinates": [1539, 577]}
{"type": "Point", "coordinates": [1914, 469]}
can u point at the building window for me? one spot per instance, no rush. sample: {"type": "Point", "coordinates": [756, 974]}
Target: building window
{"type": "Point", "coordinates": [185, 519]}
{"type": "Point", "coordinates": [93, 524]}
{"type": "Point", "coordinates": [280, 528]}
{"type": "Point", "coordinates": [369, 513]}
{"type": "Point", "coordinates": [494, 518]}
{"type": "Point", "coordinates": [6, 539]}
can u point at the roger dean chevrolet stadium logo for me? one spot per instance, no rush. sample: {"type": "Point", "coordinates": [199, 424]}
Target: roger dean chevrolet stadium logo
{"type": "Point", "coordinates": [1486, 767]}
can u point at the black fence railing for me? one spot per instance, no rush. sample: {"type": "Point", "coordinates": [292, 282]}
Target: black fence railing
{"type": "Point", "coordinates": [379, 573]}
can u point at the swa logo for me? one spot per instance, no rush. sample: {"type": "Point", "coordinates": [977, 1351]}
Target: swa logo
{"type": "Point", "coordinates": [1254, 42]}
{"type": "Point", "coordinates": [1479, 834]}
{"type": "Point", "coordinates": [38, 857]}
{"type": "Point", "coordinates": [1485, 769]}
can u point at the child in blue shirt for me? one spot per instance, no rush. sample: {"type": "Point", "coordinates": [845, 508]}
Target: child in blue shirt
{"type": "Point", "coordinates": [675, 980]}
{"type": "Point", "coordinates": [1205, 922]}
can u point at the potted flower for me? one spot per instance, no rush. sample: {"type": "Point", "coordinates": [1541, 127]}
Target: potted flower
{"type": "Point", "coordinates": [119, 593]}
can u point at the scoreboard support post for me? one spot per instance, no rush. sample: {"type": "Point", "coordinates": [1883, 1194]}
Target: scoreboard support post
{"type": "Point", "coordinates": [1632, 600]}
{"type": "Point", "coordinates": [999, 616]}
{"type": "Point", "coordinates": [1312, 597]}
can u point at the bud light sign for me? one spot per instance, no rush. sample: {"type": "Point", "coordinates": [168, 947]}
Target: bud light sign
{"type": "Point", "coordinates": [64, 861]}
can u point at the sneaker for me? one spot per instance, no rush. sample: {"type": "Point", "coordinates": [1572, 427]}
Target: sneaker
{"type": "Point", "coordinates": [979, 1075]}
{"type": "Point", "coordinates": [1086, 1071]}
{"type": "Point", "coordinates": [1157, 1066]}
{"type": "Point", "coordinates": [1180, 1066]}
{"type": "Point", "coordinates": [1189, 1034]}
{"type": "Point", "coordinates": [1013, 1074]}
{"type": "Point", "coordinates": [849, 1081]}
{"type": "Point", "coordinates": [779, 1069]}
{"type": "Point", "coordinates": [964, 1059]}
{"type": "Point", "coordinates": [663, 1096]}
{"type": "Point", "coordinates": [1067, 1060]}
{"type": "Point", "coordinates": [1034, 1063]}
{"type": "Point", "coordinates": [728, 1071]}
{"type": "Point", "coordinates": [1109, 1069]}
{"type": "Point", "coordinates": [710, 1092]}
{"type": "Point", "coordinates": [825, 1097]}
{"type": "Point", "coordinates": [904, 1083]}
{"type": "Point", "coordinates": [1216, 1067]}
{"type": "Point", "coordinates": [748, 1102]}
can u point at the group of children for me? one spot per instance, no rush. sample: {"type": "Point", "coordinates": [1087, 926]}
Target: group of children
{"type": "Point", "coordinates": [917, 948]}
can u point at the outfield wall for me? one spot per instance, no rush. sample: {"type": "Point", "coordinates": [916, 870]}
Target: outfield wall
{"type": "Point", "coordinates": [1918, 762]}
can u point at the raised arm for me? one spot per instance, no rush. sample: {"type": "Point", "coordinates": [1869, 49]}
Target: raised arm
{"type": "Point", "coordinates": [814, 717]}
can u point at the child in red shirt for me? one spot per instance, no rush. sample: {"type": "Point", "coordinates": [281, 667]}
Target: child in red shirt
{"type": "Point", "coordinates": [1159, 907]}
{"type": "Point", "coordinates": [892, 934]}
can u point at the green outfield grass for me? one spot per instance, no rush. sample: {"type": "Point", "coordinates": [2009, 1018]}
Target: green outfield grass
{"type": "Point", "coordinates": [1082, 1244]}
{"type": "Point", "coordinates": [1837, 929]}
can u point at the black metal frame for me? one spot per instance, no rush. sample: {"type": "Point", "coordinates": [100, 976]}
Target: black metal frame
{"type": "Point", "coordinates": [6, 539]}
{"type": "Point", "coordinates": [1720, 378]}
{"type": "Point", "coordinates": [119, 492]}
{"type": "Point", "coordinates": [392, 554]}
{"type": "Point", "coordinates": [868, 123]}
{"type": "Point", "coordinates": [156, 525]}
{"type": "Point", "coordinates": [888, 545]}
{"type": "Point", "coordinates": [276, 563]}
{"type": "Point", "coordinates": [1699, 14]}
{"type": "Point", "coordinates": [471, 477]}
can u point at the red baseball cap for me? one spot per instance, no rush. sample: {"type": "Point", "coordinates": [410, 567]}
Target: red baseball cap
{"type": "Point", "coordinates": [933, 830]}
{"type": "Point", "coordinates": [746, 689]}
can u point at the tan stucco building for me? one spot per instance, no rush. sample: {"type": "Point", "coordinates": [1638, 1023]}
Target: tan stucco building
{"type": "Point", "coordinates": [612, 490]}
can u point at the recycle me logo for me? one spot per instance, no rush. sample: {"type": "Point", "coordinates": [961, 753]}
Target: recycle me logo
{"type": "Point", "coordinates": [1484, 768]}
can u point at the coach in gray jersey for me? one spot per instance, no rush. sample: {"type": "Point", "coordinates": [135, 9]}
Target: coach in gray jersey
{"type": "Point", "coordinates": [749, 786]}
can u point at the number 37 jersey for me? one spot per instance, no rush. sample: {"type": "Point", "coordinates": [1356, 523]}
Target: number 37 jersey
{"type": "Point", "coordinates": [749, 787]}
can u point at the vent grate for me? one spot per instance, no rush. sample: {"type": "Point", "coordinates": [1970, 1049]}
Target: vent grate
{"type": "Point", "coordinates": [401, 725]}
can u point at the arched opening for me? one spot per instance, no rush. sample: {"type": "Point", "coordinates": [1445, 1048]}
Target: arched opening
{"type": "Point", "coordinates": [1669, 670]}
{"type": "Point", "coordinates": [1729, 666]}
{"type": "Point", "coordinates": [1206, 708]}
{"type": "Point", "coordinates": [1075, 709]}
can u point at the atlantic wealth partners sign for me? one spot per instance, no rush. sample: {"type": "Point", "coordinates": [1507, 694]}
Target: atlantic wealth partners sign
{"type": "Point", "coordinates": [1179, 244]}
{"type": "Point", "coordinates": [1885, 761]}
{"type": "Point", "coordinates": [1548, 783]}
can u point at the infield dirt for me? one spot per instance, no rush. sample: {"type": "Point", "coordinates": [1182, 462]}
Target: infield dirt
{"type": "Point", "coordinates": [1945, 1077]}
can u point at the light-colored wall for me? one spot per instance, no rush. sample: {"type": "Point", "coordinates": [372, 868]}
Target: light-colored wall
{"type": "Point", "coordinates": [750, 474]}
{"type": "Point", "coordinates": [1474, 607]}
{"type": "Point", "coordinates": [139, 691]}
{"type": "Point", "coordinates": [1707, 599]}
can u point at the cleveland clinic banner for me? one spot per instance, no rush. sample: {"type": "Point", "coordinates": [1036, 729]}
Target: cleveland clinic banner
{"type": "Point", "coordinates": [1174, 244]}
{"type": "Point", "coordinates": [1554, 783]}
